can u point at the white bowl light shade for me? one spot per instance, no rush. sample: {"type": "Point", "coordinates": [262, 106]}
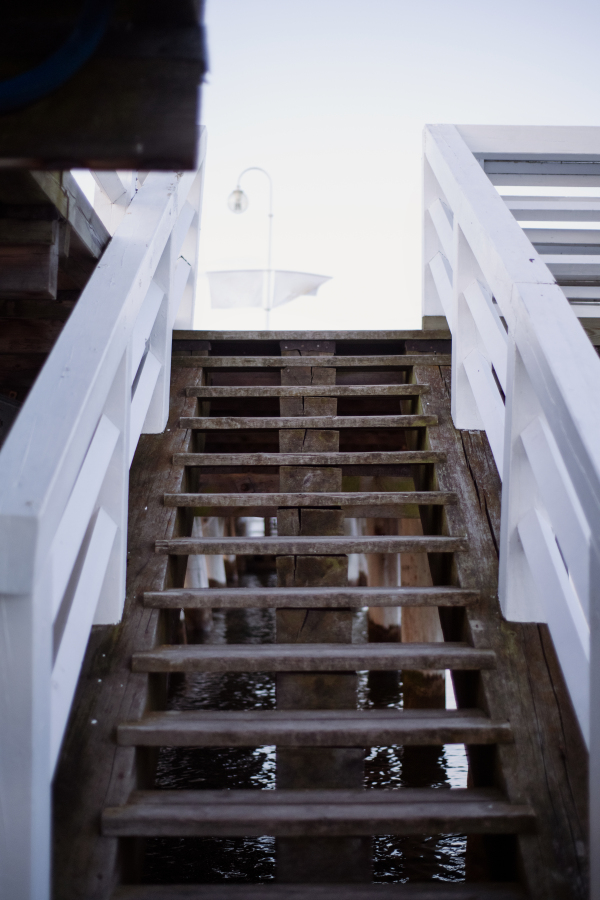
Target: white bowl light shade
{"type": "Point", "coordinates": [237, 201]}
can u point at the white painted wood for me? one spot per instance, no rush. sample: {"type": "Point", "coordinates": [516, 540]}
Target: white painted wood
{"type": "Point", "coordinates": [144, 324]}
{"type": "Point", "coordinates": [561, 504]}
{"type": "Point", "coordinates": [489, 401]}
{"type": "Point", "coordinates": [114, 192]}
{"type": "Point", "coordinates": [87, 578]}
{"type": "Point", "coordinates": [80, 506]}
{"type": "Point", "coordinates": [580, 238]}
{"type": "Point", "coordinates": [573, 267]}
{"type": "Point", "coordinates": [487, 319]}
{"type": "Point", "coordinates": [64, 477]}
{"type": "Point", "coordinates": [554, 209]}
{"type": "Point", "coordinates": [431, 303]}
{"type": "Point", "coordinates": [141, 399]}
{"type": "Point", "coordinates": [551, 459]}
{"type": "Point", "coordinates": [565, 616]}
{"type": "Point", "coordinates": [441, 273]}
{"type": "Point", "coordinates": [442, 218]}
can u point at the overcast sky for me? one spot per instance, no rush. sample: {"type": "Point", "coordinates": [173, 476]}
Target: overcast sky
{"type": "Point", "coordinates": [330, 96]}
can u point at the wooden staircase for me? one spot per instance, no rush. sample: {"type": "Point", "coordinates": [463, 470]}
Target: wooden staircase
{"type": "Point", "coordinates": [351, 407]}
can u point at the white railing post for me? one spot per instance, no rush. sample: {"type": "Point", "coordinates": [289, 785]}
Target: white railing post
{"type": "Point", "coordinates": [433, 310]}
{"type": "Point", "coordinates": [594, 746]}
{"type": "Point", "coordinates": [465, 336]}
{"type": "Point", "coordinates": [25, 667]}
{"type": "Point", "coordinates": [113, 496]}
{"type": "Point", "coordinates": [518, 593]}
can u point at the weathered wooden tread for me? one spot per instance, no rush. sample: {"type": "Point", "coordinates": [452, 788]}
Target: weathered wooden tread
{"type": "Point", "coordinates": [313, 546]}
{"type": "Point", "coordinates": [313, 390]}
{"type": "Point", "coordinates": [231, 423]}
{"type": "Point", "coordinates": [307, 598]}
{"type": "Point", "coordinates": [310, 657]}
{"type": "Point", "coordinates": [360, 458]}
{"type": "Point", "coordinates": [316, 813]}
{"type": "Point", "coordinates": [344, 498]}
{"type": "Point", "coordinates": [319, 728]}
{"type": "Point", "coordinates": [437, 890]}
{"type": "Point", "coordinates": [284, 362]}
{"type": "Point", "coordinates": [433, 335]}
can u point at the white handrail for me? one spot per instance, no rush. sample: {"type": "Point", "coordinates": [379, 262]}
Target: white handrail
{"type": "Point", "coordinates": [525, 371]}
{"type": "Point", "coordinates": [64, 490]}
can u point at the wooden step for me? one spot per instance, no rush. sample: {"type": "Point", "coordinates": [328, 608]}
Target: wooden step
{"type": "Point", "coordinates": [311, 657]}
{"type": "Point", "coordinates": [437, 890]}
{"type": "Point", "coordinates": [367, 458]}
{"type": "Point", "coordinates": [314, 390]}
{"type": "Point", "coordinates": [307, 598]}
{"type": "Point", "coordinates": [312, 546]}
{"type": "Point", "coordinates": [433, 335]}
{"type": "Point", "coordinates": [234, 423]}
{"type": "Point", "coordinates": [317, 813]}
{"type": "Point", "coordinates": [284, 362]}
{"type": "Point", "coordinates": [320, 728]}
{"type": "Point", "coordinates": [345, 498]}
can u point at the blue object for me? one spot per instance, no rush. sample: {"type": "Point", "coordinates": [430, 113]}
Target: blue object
{"type": "Point", "coordinates": [63, 63]}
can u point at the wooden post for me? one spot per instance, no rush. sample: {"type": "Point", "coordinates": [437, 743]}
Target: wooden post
{"type": "Point", "coordinates": [308, 859]}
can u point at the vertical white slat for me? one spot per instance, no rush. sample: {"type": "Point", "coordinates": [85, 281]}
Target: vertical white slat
{"type": "Point", "coordinates": [442, 219]}
{"type": "Point", "coordinates": [441, 275]}
{"type": "Point", "coordinates": [566, 620]}
{"type": "Point", "coordinates": [561, 503]}
{"type": "Point", "coordinates": [82, 501]}
{"type": "Point", "coordinates": [518, 594]}
{"type": "Point", "coordinates": [114, 496]}
{"type": "Point", "coordinates": [465, 336]}
{"type": "Point", "coordinates": [489, 401]}
{"type": "Point", "coordinates": [431, 304]}
{"type": "Point", "coordinates": [489, 325]}
{"type": "Point", "coordinates": [140, 339]}
{"type": "Point", "coordinates": [88, 578]}
{"type": "Point", "coordinates": [141, 400]}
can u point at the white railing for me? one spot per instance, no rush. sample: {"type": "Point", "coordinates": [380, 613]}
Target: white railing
{"type": "Point", "coordinates": [64, 490]}
{"type": "Point", "coordinates": [524, 370]}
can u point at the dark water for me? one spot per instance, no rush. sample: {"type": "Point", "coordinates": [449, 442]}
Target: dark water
{"type": "Point", "coordinates": [214, 860]}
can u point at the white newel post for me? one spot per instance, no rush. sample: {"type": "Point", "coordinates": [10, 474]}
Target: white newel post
{"type": "Point", "coordinates": [25, 667]}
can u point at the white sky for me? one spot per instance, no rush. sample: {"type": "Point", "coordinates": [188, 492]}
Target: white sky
{"type": "Point", "coordinates": [330, 96]}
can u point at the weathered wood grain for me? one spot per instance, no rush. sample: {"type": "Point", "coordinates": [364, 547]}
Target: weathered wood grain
{"type": "Point", "coordinates": [314, 728]}
{"type": "Point", "coordinates": [312, 390]}
{"type": "Point", "coordinates": [283, 546]}
{"type": "Point", "coordinates": [297, 597]}
{"type": "Point", "coordinates": [309, 459]}
{"type": "Point", "coordinates": [311, 657]}
{"type": "Point", "coordinates": [345, 362]}
{"type": "Point", "coordinates": [346, 498]}
{"type": "Point", "coordinates": [318, 813]}
{"type": "Point", "coordinates": [277, 336]}
{"type": "Point", "coordinates": [220, 423]}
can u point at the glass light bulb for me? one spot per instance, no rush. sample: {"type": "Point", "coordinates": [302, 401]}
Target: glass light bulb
{"type": "Point", "coordinates": [237, 201]}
